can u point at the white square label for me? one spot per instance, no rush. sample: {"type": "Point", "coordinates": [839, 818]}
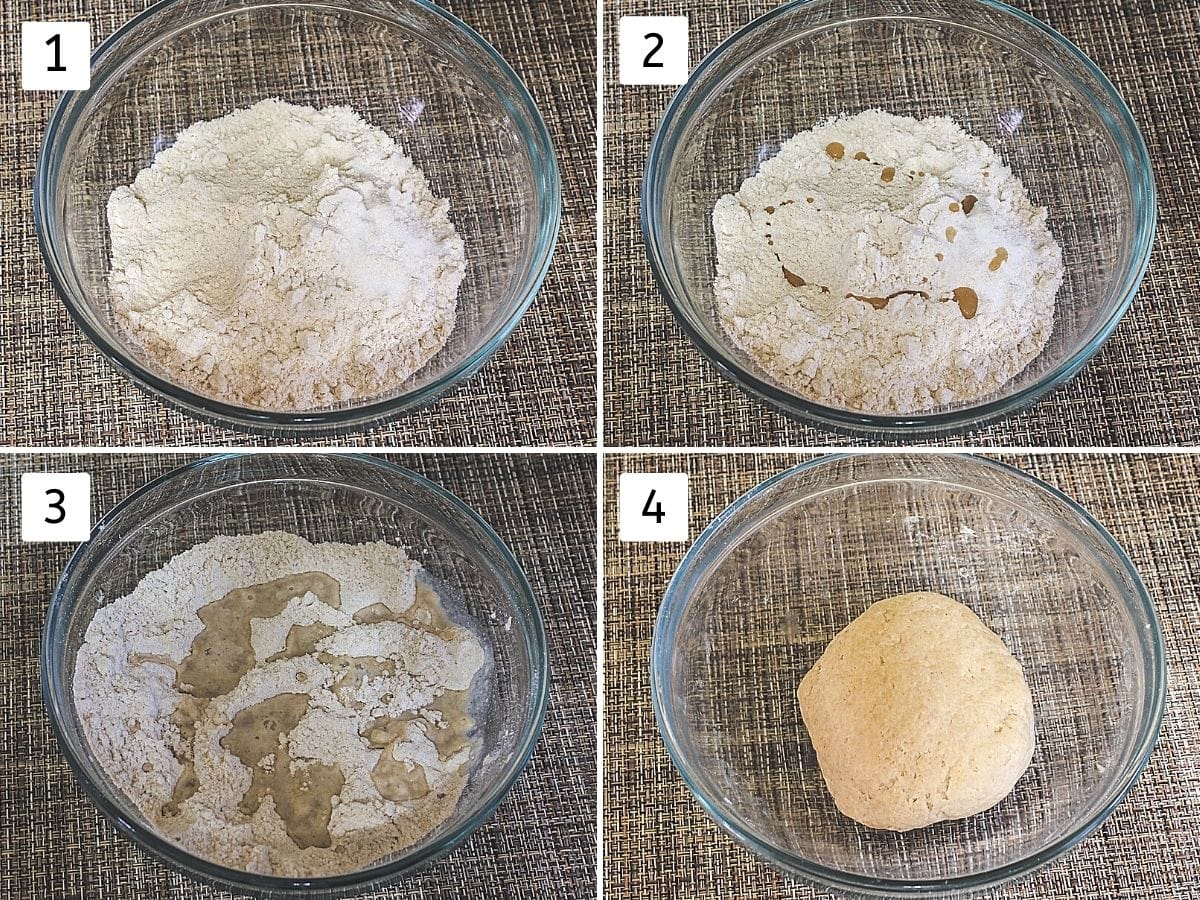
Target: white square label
{"type": "Point", "coordinates": [653, 49]}
{"type": "Point", "coordinates": [653, 507]}
{"type": "Point", "coordinates": [56, 506]}
{"type": "Point", "coordinates": [56, 56]}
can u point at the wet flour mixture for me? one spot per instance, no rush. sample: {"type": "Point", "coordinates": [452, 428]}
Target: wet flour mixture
{"type": "Point", "coordinates": [282, 707]}
{"type": "Point", "coordinates": [885, 264]}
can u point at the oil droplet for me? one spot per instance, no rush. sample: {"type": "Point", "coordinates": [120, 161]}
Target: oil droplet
{"type": "Point", "coordinates": [428, 614]}
{"type": "Point", "coordinates": [882, 302]}
{"type": "Point", "coordinates": [876, 302]}
{"type": "Point", "coordinates": [999, 259]}
{"type": "Point", "coordinates": [954, 207]}
{"type": "Point", "coordinates": [888, 174]}
{"type": "Point", "coordinates": [303, 639]}
{"type": "Point", "coordinates": [792, 278]}
{"type": "Point", "coordinates": [399, 780]}
{"type": "Point", "coordinates": [452, 734]}
{"type": "Point", "coordinates": [969, 202]}
{"type": "Point", "coordinates": [967, 300]}
{"type": "Point", "coordinates": [861, 155]}
{"type": "Point", "coordinates": [222, 653]}
{"type": "Point", "coordinates": [373, 614]}
{"type": "Point", "coordinates": [835, 150]}
{"type": "Point", "coordinates": [951, 232]}
{"type": "Point", "coordinates": [304, 797]}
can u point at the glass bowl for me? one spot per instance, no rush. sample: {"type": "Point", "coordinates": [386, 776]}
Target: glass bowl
{"type": "Point", "coordinates": [406, 66]}
{"type": "Point", "coordinates": [351, 499]}
{"type": "Point", "coordinates": [1001, 74]}
{"type": "Point", "coordinates": [786, 567]}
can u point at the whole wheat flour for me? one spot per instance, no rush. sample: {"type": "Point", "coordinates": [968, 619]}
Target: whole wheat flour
{"type": "Point", "coordinates": [284, 258]}
{"type": "Point", "coordinates": [886, 264]}
{"type": "Point", "coordinates": [280, 706]}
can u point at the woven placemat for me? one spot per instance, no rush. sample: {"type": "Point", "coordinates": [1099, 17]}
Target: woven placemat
{"type": "Point", "coordinates": [540, 842]}
{"type": "Point", "coordinates": [659, 842]}
{"type": "Point", "coordinates": [538, 389]}
{"type": "Point", "coordinates": [1140, 390]}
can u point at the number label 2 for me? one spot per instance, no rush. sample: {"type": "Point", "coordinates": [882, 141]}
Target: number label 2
{"type": "Point", "coordinates": [658, 42]}
{"type": "Point", "coordinates": [653, 49]}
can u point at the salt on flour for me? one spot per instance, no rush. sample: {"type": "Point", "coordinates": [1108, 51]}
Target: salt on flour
{"type": "Point", "coordinates": [885, 264]}
{"type": "Point", "coordinates": [368, 696]}
{"type": "Point", "coordinates": [284, 258]}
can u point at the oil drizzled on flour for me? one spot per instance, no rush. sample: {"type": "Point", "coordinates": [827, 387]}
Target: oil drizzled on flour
{"type": "Point", "coordinates": [886, 264]}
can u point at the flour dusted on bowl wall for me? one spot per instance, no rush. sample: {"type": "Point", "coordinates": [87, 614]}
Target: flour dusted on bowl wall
{"type": "Point", "coordinates": [283, 707]}
{"type": "Point", "coordinates": [887, 265]}
{"type": "Point", "coordinates": [285, 258]}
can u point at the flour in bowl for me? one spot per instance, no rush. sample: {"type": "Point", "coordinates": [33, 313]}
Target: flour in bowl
{"type": "Point", "coordinates": [888, 265]}
{"type": "Point", "coordinates": [283, 707]}
{"type": "Point", "coordinates": [284, 258]}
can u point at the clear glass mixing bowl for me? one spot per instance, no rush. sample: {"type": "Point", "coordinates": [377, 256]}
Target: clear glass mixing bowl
{"type": "Point", "coordinates": [406, 66]}
{"type": "Point", "coordinates": [322, 498]}
{"type": "Point", "coordinates": [1001, 74]}
{"type": "Point", "coordinates": [786, 567]}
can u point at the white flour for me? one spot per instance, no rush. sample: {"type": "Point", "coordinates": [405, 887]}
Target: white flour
{"type": "Point", "coordinates": [285, 258]}
{"type": "Point", "coordinates": [325, 745]}
{"type": "Point", "coordinates": [885, 264]}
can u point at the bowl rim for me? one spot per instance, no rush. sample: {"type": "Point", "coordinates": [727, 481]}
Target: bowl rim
{"type": "Point", "coordinates": [1144, 199]}
{"type": "Point", "coordinates": [662, 644]}
{"type": "Point", "coordinates": [514, 97]}
{"type": "Point", "coordinates": [197, 867]}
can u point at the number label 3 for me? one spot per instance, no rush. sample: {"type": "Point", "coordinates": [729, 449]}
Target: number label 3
{"type": "Point", "coordinates": [56, 506]}
{"type": "Point", "coordinates": [653, 506]}
{"type": "Point", "coordinates": [653, 49]}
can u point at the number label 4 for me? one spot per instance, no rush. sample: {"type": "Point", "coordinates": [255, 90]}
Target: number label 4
{"type": "Point", "coordinates": [653, 506]}
{"type": "Point", "coordinates": [56, 506]}
{"type": "Point", "coordinates": [653, 49]}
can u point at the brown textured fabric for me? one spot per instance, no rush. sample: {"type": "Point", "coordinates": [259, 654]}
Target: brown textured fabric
{"type": "Point", "coordinates": [538, 389]}
{"type": "Point", "coordinates": [1140, 390]}
{"type": "Point", "coordinates": [658, 840]}
{"type": "Point", "coordinates": [541, 840]}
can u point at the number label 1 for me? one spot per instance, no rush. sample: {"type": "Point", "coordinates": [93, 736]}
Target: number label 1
{"type": "Point", "coordinates": [56, 506]}
{"type": "Point", "coordinates": [653, 49]}
{"type": "Point", "coordinates": [653, 506]}
{"type": "Point", "coordinates": [56, 56]}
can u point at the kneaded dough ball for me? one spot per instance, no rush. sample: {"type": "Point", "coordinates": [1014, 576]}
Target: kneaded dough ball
{"type": "Point", "coordinates": [918, 714]}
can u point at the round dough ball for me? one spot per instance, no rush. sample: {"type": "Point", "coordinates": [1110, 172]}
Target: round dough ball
{"type": "Point", "coordinates": [918, 714]}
